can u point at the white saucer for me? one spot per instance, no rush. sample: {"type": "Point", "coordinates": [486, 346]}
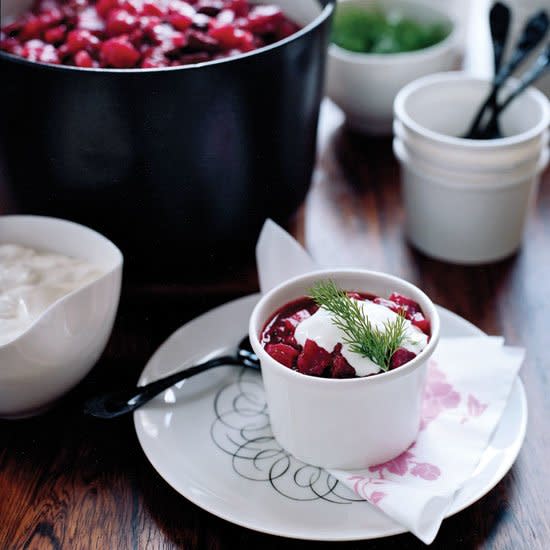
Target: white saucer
{"type": "Point", "coordinates": [210, 439]}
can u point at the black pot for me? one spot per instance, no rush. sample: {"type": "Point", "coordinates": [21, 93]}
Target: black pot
{"type": "Point", "coordinates": [178, 166]}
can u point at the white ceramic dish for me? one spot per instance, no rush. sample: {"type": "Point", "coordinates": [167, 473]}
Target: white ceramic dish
{"type": "Point", "coordinates": [364, 85]}
{"type": "Point", "coordinates": [467, 200]}
{"type": "Point", "coordinates": [307, 413]}
{"type": "Point", "coordinates": [66, 340]}
{"type": "Point", "coordinates": [203, 435]}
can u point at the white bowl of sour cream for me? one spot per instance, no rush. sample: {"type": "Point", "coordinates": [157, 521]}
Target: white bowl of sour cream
{"type": "Point", "coordinates": [347, 423]}
{"type": "Point", "coordinates": [59, 293]}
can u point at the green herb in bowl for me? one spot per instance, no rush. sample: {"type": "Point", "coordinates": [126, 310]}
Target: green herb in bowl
{"type": "Point", "coordinates": [374, 31]}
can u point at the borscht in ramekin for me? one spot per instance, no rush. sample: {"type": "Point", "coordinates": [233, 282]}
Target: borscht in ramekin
{"type": "Point", "coordinates": [345, 334]}
{"type": "Point", "coordinates": [344, 357]}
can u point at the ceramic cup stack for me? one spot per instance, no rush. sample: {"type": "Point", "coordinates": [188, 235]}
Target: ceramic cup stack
{"type": "Point", "coordinates": [467, 200]}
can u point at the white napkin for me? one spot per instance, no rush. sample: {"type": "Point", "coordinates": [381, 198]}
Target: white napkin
{"type": "Point", "coordinates": [279, 257]}
{"type": "Point", "coordinates": [469, 382]}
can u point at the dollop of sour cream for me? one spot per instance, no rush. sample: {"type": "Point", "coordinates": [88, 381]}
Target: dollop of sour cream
{"type": "Point", "coordinates": [320, 328]}
{"type": "Point", "coordinates": [32, 280]}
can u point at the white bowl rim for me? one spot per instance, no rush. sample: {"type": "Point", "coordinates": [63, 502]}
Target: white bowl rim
{"type": "Point", "coordinates": [399, 57]}
{"type": "Point", "coordinates": [378, 378]}
{"type": "Point", "coordinates": [325, 13]}
{"type": "Point", "coordinates": [411, 135]}
{"type": "Point", "coordinates": [401, 114]}
{"type": "Point", "coordinates": [108, 273]}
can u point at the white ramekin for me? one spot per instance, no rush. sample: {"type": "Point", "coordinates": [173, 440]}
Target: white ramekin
{"type": "Point", "coordinates": [66, 340]}
{"type": "Point", "coordinates": [364, 85]}
{"type": "Point", "coordinates": [467, 200]}
{"type": "Point", "coordinates": [350, 423]}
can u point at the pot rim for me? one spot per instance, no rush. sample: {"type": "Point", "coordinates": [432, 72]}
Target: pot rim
{"type": "Point", "coordinates": [326, 12]}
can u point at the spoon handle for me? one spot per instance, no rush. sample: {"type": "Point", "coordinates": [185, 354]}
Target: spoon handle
{"type": "Point", "coordinates": [117, 403]}
{"type": "Point", "coordinates": [540, 66]}
{"type": "Point", "coordinates": [532, 75]}
{"type": "Point", "coordinates": [531, 36]}
{"type": "Point", "coordinates": [499, 24]}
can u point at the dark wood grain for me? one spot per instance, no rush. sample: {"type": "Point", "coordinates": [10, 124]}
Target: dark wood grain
{"type": "Point", "coordinates": [71, 482]}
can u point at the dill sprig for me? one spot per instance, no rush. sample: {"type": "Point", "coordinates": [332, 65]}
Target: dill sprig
{"type": "Point", "coordinates": [361, 337]}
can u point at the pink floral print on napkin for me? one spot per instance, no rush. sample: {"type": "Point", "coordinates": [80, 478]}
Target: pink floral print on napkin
{"type": "Point", "coordinates": [402, 464]}
{"type": "Point", "coordinates": [361, 486]}
{"type": "Point", "coordinates": [398, 465]}
{"type": "Point", "coordinates": [426, 471]}
{"type": "Point", "coordinates": [475, 408]}
{"type": "Point", "coordinates": [376, 497]}
{"type": "Point", "coordinates": [368, 487]}
{"type": "Point", "coordinates": [438, 395]}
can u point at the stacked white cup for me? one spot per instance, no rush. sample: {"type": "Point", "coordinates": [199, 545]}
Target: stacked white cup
{"type": "Point", "coordinates": [467, 200]}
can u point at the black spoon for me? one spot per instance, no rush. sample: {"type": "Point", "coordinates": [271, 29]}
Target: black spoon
{"type": "Point", "coordinates": [533, 33]}
{"type": "Point", "coordinates": [499, 23]}
{"type": "Point", "coordinates": [533, 74]}
{"type": "Point", "coordinates": [117, 403]}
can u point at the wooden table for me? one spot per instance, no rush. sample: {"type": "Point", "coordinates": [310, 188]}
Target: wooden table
{"type": "Point", "coordinates": [71, 482]}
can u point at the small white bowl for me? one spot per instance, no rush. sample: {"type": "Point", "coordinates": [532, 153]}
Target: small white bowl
{"type": "Point", "coordinates": [349, 423]}
{"type": "Point", "coordinates": [467, 200]}
{"type": "Point", "coordinates": [364, 85]}
{"type": "Point", "coordinates": [66, 340]}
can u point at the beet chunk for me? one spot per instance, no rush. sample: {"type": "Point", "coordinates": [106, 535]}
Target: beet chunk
{"type": "Point", "coordinates": [282, 353]}
{"type": "Point", "coordinates": [400, 357]}
{"type": "Point", "coordinates": [313, 360]}
{"type": "Point", "coordinates": [401, 300]}
{"type": "Point", "coordinates": [119, 53]}
{"type": "Point", "coordinates": [418, 320]}
{"type": "Point", "coordinates": [341, 368]}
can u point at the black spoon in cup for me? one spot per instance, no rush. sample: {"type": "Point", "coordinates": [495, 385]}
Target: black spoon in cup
{"type": "Point", "coordinates": [119, 402]}
{"type": "Point", "coordinates": [499, 25]}
{"type": "Point", "coordinates": [533, 33]}
{"type": "Point", "coordinates": [542, 64]}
